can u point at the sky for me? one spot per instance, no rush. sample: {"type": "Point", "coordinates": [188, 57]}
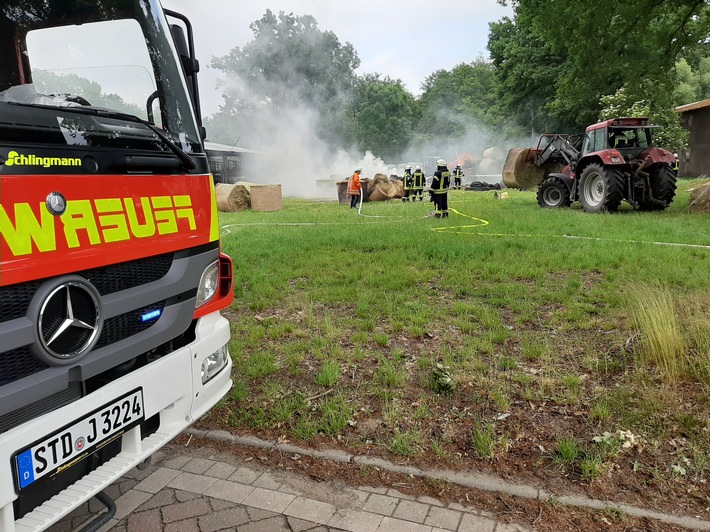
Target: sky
{"type": "Point", "coordinates": [402, 39]}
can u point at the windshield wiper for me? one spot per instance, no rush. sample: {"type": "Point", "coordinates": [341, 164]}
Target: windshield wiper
{"type": "Point", "coordinates": [184, 158]}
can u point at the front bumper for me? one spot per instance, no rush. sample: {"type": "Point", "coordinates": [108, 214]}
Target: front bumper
{"type": "Point", "coordinates": [172, 388]}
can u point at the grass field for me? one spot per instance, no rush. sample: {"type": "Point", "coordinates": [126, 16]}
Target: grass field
{"type": "Point", "coordinates": [552, 344]}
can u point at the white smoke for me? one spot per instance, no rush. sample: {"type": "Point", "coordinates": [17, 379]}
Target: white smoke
{"type": "Point", "coordinates": [296, 158]}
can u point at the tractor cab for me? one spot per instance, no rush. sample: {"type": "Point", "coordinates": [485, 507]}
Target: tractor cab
{"type": "Point", "coordinates": [629, 136]}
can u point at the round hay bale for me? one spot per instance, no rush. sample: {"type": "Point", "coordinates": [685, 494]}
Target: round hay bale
{"type": "Point", "coordinates": [231, 198]}
{"type": "Point", "coordinates": [380, 178]}
{"type": "Point", "coordinates": [509, 165]}
{"type": "Point", "coordinates": [519, 173]}
{"type": "Point", "coordinates": [700, 199]}
{"type": "Point", "coordinates": [376, 194]}
{"type": "Point", "coordinates": [493, 153]}
{"type": "Point", "coordinates": [489, 166]}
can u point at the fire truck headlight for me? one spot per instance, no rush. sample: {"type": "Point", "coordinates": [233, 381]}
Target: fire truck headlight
{"type": "Point", "coordinates": [213, 364]}
{"type": "Point", "coordinates": [209, 282]}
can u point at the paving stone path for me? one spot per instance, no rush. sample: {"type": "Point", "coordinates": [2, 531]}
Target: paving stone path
{"type": "Point", "coordinates": [193, 490]}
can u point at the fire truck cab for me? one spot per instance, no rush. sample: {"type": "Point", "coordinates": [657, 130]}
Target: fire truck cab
{"type": "Point", "coordinates": [111, 273]}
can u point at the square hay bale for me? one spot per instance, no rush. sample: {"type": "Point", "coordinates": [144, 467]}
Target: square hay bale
{"type": "Point", "coordinates": [266, 198]}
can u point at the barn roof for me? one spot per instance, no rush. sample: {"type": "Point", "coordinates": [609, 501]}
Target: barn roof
{"type": "Point", "coordinates": [702, 104]}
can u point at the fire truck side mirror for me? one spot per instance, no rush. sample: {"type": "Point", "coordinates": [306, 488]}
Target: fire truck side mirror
{"type": "Point", "coordinates": [189, 64]}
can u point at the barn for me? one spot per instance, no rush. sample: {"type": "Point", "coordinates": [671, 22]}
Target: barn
{"type": "Point", "coordinates": [695, 159]}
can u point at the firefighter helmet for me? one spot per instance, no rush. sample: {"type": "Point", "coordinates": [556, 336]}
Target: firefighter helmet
{"type": "Point", "coordinates": [441, 162]}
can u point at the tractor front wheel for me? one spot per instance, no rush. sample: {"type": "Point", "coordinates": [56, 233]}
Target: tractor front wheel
{"type": "Point", "coordinates": [601, 189]}
{"type": "Point", "coordinates": [553, 193]}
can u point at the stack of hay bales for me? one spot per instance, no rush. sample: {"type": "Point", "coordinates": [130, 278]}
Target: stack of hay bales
{"type": "Point", "coordinates": [244, 195]}
{"type": "Point", "coordinates": [491, 162]}
{"type": "Point", "coordinates": [382, 189]}
{"type": "Point", "coordinates": [700, 199]}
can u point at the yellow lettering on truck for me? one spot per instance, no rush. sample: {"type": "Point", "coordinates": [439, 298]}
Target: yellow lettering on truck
{"type": "Point", "coordinates": [105, 220]}
{"type": "Point", "coordinates": [41, 232]}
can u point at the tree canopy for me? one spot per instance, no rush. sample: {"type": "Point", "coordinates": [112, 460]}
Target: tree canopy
{"type": "Point", "coordinates": [384, 114]}
{"type": "Point", "coordinates": [571, 56]}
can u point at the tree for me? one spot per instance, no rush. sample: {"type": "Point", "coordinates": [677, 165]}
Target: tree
{"type": "Point", "coordinates": [692, 74]}
{"type": "Point", "coordinates": [384, 114]}
{"type": "Point", "coordinates": [456, 101]}
{"type": "Point", "coordinates": [289, 63]}
{"type": "Point", "coordinates": [606, 45]}
{"type": "Point", "coordinates": [527, 69]}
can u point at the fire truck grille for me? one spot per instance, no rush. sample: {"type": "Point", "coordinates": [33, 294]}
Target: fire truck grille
{"type": "Point", "coordinates": [129, 274]}
{"type": "Point", "coordinates": [18, 363]}
{"type": "Point", "coordinates": [15, 299]}
{"type": "Point", "coordinates": [128, 324]}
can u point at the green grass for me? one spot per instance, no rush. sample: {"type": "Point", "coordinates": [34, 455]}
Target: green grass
{"type": "Point", "coordinates": [405, 443]}
{"type": "Point", "coordinates": [328, 374]}
{"type": "Point", "coordinates": [566, 452]}
{"type": "Point", "coordinates": [608, 328]}
{"type": "Point", "coordinates": [484, 442]}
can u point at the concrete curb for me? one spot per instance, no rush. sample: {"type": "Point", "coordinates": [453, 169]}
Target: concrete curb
{"type": "Point", "coordinates": [469, 480]}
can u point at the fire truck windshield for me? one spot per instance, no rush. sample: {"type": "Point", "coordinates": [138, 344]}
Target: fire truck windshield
{"type": "Point", "coordinates": [60, 56]}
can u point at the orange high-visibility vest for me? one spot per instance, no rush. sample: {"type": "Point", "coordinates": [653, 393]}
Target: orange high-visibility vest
{"type": "Point", "coordinates": [354, 185]}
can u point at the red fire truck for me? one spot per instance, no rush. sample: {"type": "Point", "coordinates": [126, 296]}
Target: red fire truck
{"type": "Point", "coordinates": [111, 274]}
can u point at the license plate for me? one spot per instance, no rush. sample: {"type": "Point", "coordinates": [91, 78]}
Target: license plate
{"type": "Point", "coordinates": [75, 442]}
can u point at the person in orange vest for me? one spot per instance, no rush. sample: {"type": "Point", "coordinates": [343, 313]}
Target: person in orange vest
{"type": "Point", "coordinates": [355, 188]}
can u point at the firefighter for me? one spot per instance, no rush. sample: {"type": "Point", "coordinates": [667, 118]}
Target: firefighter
{"type": "Point", "coordinates": [676, 164]}
{"type": "Point", "coordinates": [458, 174]}
{"type": "Point", "coordinates": [408, 182]}
{"type": "Point", "coordinates": [354, 188]}
{"type": "Point", "coordinates": [440, 189]}
{"type": "Point", "coordinates": [418, 188]}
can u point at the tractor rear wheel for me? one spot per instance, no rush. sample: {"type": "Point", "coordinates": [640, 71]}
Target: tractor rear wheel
{"type": "Point", "coordinates": [601, 189]}
{"type": "Point", "coordinates": [553, 193]}
{"type": "Point", "coordinates": [663, 186]}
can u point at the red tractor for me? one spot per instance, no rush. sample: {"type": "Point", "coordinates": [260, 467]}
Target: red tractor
{"type": "Point", "coordinates": [612, 161]}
